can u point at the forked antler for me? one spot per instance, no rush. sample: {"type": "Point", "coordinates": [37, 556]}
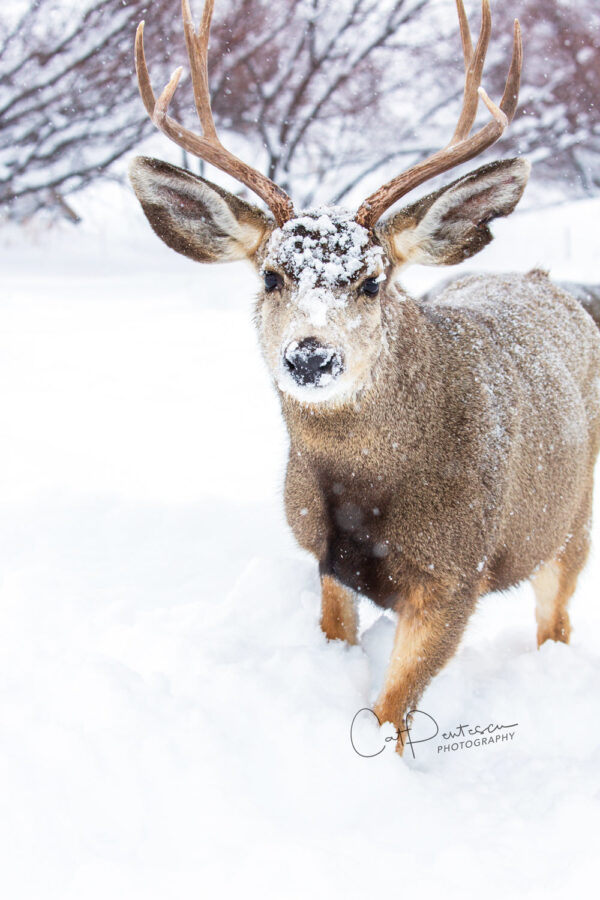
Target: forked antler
{"type": "Point", "coordinates": [206, 146]}
{"type": "Point", "coordinates": [461, 147]}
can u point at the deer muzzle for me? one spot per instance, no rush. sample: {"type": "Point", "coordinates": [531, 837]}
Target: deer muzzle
{"type": "Point", "coordinates": [311, 363]}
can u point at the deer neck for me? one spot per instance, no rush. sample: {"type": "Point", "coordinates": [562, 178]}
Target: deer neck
{"type": "Point", "coordinates": [393, 409]}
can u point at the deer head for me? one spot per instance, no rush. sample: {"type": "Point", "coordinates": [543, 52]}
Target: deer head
{"type": "Point", "coordinates": [327, 274]}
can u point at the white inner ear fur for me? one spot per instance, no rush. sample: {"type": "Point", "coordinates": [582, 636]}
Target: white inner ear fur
{"type": "Point", "coordinates": [421, 245]}
{"type": "Point", "coordinates": [244, 237]}
{"type": "Point", "coordinates": [250, 237]}
{"type": "Point", "coordinates": [220, 212]}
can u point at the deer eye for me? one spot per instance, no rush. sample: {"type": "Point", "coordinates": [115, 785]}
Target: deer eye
{"type": "Point", "coordinates": [273, 281]}
{"type": "Point", "coordinates": [370, 287]}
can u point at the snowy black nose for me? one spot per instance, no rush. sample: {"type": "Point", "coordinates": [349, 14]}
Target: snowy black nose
{"type": "Point", "coordinates": [310, 362]}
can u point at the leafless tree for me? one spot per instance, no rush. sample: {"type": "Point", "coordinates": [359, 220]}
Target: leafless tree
{"type": "Point", "coordinates": [68, 105]}
{"type": "Point", "coordinates": [560, 119]}
{"type": "Point", "coordinates": [558, 122]}
{"type": "Point", "coordinates": [337, 91]}
{"type": "Point", "coordinates": [303, 70]}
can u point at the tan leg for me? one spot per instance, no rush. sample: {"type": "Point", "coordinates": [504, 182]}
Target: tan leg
{"type": "Point", "coordinates": [338, 611]}
{"type": "Point", "coordinates": [555, 581]}
{"type": "Point", "coordinates": [429, 628]}
{"type": "Point", "coordinates": [554, 585]}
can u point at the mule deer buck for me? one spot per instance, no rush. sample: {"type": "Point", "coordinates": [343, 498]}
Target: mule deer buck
{"type": "Point", "coordinates": [439, 450]}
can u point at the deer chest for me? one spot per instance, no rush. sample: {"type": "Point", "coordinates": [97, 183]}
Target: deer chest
{"type": "Point", "coordinates": [362, 547]}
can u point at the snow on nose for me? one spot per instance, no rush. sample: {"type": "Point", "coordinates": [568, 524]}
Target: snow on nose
{"type": "Point", "coordinates": [311, 363]}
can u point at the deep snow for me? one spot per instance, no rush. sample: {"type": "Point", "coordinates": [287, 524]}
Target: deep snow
{"type": "Point", "coordinates": [173, 723]}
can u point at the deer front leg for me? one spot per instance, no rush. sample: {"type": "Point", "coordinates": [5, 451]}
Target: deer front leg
{"type": "Point", "coordinates": [430, 624]}
{"type": "Point", "coordinates": [338, 611]}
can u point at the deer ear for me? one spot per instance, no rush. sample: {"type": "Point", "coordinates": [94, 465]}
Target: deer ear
{"type": "Point", "coordinates": [451, 225]}
{"type": "Point", "coordinates": [194, 216]}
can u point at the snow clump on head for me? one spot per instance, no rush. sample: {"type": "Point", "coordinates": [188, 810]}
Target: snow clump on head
{"type": "Point", "coordinates": [324, 247]}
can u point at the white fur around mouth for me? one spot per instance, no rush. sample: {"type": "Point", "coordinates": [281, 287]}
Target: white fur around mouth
{"type": "Point", "coordinates": [328, 388]}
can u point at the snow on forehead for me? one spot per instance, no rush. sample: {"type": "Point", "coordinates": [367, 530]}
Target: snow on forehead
{"type": "Point", "coordinates": [325, 247]}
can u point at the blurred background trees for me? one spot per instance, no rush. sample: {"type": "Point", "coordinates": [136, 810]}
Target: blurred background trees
{"type": "Point", "coordinates": [319, 94]}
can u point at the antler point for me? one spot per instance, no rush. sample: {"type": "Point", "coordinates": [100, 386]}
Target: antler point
{"type": "Point", "coordinates": [206, 146]}
{"type": "Point", "coordinates": [498, 114]}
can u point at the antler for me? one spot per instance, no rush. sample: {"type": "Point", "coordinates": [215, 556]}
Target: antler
{"type": "Point", "coordinates": [207, 146]}
{"type": "Point", "coordinates": [461, 147]}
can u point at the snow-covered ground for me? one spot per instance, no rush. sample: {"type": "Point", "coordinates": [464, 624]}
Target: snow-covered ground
{"type": "Point", "coordinates": [172, 721]}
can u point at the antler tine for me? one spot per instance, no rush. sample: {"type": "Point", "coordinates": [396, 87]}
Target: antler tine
{"type": "Point", "coordinates": [143, 76]}
{"type": "Point", "coordinates": [465, 33]}
{"type": "Point", "coordinates": [510, 98]}
{"type": "Point", "coordinates": [197, 48]}
{"type": "Point", "coordinates": [162, 104]}
{"type": "Point", "coordinates": [473, 68]}
{"type": "Point", "coordinates": [461, 147]}
{"type": "Point", "coordinates": [206, 146]}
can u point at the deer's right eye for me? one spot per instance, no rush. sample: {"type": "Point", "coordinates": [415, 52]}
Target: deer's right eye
{"type": "Point", "coordinates": [370, 287]}
{"type": "Point", "coordinates": [273, 281]}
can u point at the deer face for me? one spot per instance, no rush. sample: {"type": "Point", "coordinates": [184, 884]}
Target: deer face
{"type": "Point", "coordinates": [321, 309]}
{"type": "Point", "coordinates": [319, 313]}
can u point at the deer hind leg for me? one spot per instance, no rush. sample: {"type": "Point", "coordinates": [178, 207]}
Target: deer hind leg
{"type": "Point", "coordinates": [555, 582]}
{"type": "Point", "coordinates": [339, 619]}
{"type": "Point", "coordinates": [553, 590]}
{"type": "Point", "coordinates": [428, 632]}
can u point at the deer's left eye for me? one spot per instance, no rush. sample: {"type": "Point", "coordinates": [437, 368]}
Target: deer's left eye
{"type": "Point", "coordinates": [370, 287]}
{"type": "Point", "coordinates": [273, 281]}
